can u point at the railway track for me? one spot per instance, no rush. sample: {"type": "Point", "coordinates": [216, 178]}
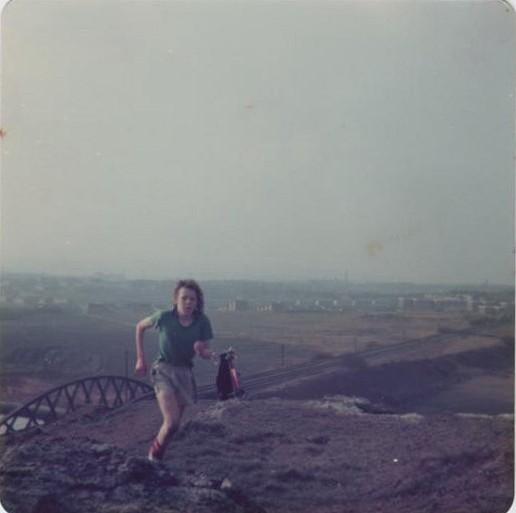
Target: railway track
{"type": "Point", "coordinates": [274, 377]}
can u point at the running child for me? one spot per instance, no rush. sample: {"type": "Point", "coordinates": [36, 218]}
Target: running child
{"type": "Point", "coordinates": [184, 331]}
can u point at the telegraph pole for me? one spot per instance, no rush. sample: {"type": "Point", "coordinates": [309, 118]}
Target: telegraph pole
{"type": "Point", "coordinates": [126, 365]}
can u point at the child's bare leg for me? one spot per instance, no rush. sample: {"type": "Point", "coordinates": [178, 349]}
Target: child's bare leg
{"type": "Point", "coordinates": [172, 411]}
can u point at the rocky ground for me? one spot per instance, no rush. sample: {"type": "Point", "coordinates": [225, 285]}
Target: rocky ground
{"type": "Point", "coordinates": [369, 437]}
{"type": "Point", "coordinates": [272, 455]}
{"type": "Point", "coordinates": [60, 475]}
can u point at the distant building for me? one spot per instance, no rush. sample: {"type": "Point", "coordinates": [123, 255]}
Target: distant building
{"type": "Point", "coordinates": [502, 308]}
{"type": "Point", "coordinates": [275, 306]}
{"type": "Point", "coordinates": [362, 303]}
{"type": "Point", "coordinates": [452, 304]}
{"type": "Point", "coordinates": [326, 304]}
{"type": "Point", "coordinates": [384, 304]}
{"type": "Point", "coordinates": [417, 304]}
{"type": "Point", "coordinates": [238, 305]}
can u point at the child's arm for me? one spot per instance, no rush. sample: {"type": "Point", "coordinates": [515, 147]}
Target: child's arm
{"type": "Point", "coordinates": [202, 349]}
{"type": "Point", "coordinates": [141, 365]}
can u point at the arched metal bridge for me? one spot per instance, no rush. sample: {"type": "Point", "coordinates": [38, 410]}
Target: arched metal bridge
{"type": "Point", "coordinates": [108, 391]}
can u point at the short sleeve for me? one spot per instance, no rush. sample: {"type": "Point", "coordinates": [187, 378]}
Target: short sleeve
{"type": "Point", "coordinates": [155, 318]}
{"type": "Point", "coordinates": [206, 331]}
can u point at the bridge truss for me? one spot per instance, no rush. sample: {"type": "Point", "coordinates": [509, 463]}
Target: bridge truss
{"type": "Point", "coordinates": [108, 391]}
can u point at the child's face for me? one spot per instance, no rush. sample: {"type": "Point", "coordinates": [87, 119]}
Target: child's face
{"type": "Point", "coordinates": [186, 301]}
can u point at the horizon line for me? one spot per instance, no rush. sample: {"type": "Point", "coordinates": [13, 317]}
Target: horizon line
{"type": "Point", "coordinates": [123, 277]}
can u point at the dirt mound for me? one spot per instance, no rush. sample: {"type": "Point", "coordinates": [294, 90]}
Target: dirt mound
{"type": "Point", "coordinates": [274, 455]}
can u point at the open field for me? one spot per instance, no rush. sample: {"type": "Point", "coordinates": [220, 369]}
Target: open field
{"type": "Point", "coordinates": [333, 332]}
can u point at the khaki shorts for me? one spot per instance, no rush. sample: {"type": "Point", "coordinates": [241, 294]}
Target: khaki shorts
{"type": "Point", "coordinates": [179, 380]}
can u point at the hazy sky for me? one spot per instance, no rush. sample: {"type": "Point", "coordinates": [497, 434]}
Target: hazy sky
{"type": "Point", "coordinates": [259, 139]}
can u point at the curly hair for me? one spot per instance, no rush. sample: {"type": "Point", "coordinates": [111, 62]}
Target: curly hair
{"type": "Point", "coordinates": [192, 285]}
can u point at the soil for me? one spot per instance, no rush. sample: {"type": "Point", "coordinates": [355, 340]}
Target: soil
{"type": "Point", "coordinates": [324, 455]}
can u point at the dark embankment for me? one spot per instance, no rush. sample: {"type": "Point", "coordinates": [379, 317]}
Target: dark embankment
{"type": "Point", "coordinates": [477, 381]}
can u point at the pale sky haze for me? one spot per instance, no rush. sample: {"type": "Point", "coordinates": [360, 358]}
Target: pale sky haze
{"type": "Point", "coordinates": [259, 139]}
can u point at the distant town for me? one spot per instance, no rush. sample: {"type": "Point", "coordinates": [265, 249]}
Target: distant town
{"type": "Point", "coordinates": [101, 293]}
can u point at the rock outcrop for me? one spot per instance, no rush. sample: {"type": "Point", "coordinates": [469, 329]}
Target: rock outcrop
{"type": "Point", "coordinates": [60, 475]}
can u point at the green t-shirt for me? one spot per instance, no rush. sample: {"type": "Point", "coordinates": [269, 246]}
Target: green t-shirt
{"type": "Point", "coordinates": [176, 342]}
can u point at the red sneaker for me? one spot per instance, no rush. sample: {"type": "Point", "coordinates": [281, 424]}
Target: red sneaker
{"type": "Point", "coordinates": [156, 451]}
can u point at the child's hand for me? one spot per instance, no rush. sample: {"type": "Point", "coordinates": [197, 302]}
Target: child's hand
{"type": "Point", "coordinates": [141, 367]}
